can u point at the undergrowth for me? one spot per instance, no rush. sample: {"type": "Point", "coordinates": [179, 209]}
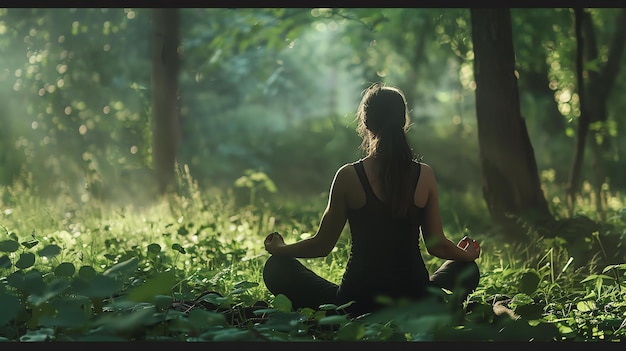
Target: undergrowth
{"type": "Point", "coordinates": [188, 268]}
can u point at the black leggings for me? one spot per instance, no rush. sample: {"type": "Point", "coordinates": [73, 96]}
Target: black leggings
{"type": "Point", "coordinates": [304, 288]}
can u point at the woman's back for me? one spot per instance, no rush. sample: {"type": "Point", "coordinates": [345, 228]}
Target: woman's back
{"type": "Point", "coordinates": [388, 200]}
{"type": "Point", "coordinates": [384, 257]}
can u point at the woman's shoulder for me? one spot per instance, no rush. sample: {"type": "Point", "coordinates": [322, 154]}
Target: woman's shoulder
{"type": "Point", "coordinates": [347, 172]}
{"type": "Point", "coordinates": [425, 168]}
{"type": "Point", "coordinates": [348, 167]}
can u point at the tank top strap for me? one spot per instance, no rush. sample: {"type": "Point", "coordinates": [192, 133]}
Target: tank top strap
{"type": "Point", "coordinates": [360, 171]}
{"type": "Point", "coordinates": [417, 176]}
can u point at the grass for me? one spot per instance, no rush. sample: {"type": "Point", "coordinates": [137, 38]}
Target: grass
{"type": "Point", "coordinates": [188, 268]}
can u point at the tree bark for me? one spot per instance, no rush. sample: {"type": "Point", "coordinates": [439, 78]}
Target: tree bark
{"type": "Point", "coordinates": [511, 186]}
{"type": "Point", "coordinates": [165, 122]}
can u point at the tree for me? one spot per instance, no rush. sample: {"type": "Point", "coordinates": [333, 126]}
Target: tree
{"type": "Point", "coordinates": [536, 28]}
{"type": "Point", "coordinates": [165, 95]}
{"type": "Point", "coordinates": [511, 186]}
{"type": "Point", "coordinates": [583, 120]}
{"type": "Point", "coordinates": [600, 82]}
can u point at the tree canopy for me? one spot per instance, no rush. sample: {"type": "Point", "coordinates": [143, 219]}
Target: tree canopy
{"type": "Point", "coordinates": [274, 90]}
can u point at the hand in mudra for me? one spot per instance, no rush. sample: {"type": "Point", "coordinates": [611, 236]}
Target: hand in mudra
{"type": "Point", "coordinates": [272, 241]}
{"type": "Point", "coordinates": [470, 245]}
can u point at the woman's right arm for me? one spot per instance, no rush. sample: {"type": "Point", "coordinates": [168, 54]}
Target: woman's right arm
{"type": "Point", "coordinates": [331, 225]}
{"type": "Point", "coordinates": [437, 244]}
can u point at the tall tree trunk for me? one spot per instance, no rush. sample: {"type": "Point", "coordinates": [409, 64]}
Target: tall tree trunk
{"type": "Point", "coordinates": [165, 121]}
{"type": "Point", "coordinates": [583, 120]}
{"type": "Point", "coordinates": [600, 84]}
{"type": "Point", "coordinates": [511, 185]}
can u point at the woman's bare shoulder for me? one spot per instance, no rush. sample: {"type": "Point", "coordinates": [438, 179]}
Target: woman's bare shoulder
{"type": "Point", "coordinates": [346, 170]}
{"type": "Point", "coordinates": [426, 170]}
{"type": "Point", "coordinates": [424, 165]}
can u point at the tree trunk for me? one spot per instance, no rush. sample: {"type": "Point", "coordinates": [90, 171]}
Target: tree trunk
{"type": "Point", "coordinates": [583, 120]}
{"type": "Point", "coordinates": [600, 84]}
{"type": "Point", "coordinates": [165, 121]}
{"type": "Point", "coordinates": [511, 185]}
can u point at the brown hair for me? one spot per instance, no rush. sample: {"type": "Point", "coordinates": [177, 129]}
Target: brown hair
{"type": "Point", "coordinates": [383, 120]}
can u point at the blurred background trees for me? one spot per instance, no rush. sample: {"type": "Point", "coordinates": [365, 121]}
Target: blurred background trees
{"type": "Point", "coordinates": [273, 91]}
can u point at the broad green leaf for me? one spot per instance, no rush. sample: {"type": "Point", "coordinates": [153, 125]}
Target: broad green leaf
{"type": "Point", "coordinates": [65, 269]}
{"type": "Point", "coordinates": [161, 283]}
{"type": "Point", "coordinates": [34, 283]}
{"type": "Point", "coordinates": [30, 244]}
{"type": "Point", "coordinates": [163, 301]}
{"type": "Point", "coordinates": [179, 248]}
{"type": "Point", "coordinates": [237, 291]}
{"type": "Point", "coordinates": [345, 305]}
{"type": "Point", "coordinates": [26, 260]}
{"type": "Point", "coordinates": [9, 245]}
{"type": "Point", "coordinates": [204, 318]}
{"type": "Point", "coordinates": [586, 306]}
{"type": "Point", "coordinates": [307, 312]}
{"type": "Point", "coordinates": [234, 334]}
{"type": "Point", "coordinates": [351, 331]}
{"type": "Point", "coordinates": [282, 303]}
{"type": "Point", "coordinates": [521, 299]}
{"type": "Point", "coordinates": [5, 262]}
{"type": "Point", "coordinates": [49, 251]}
{"type": "Point", "coordinates": [87, 272]}
{"type": "Point", "coordinates": [99, 286]}
{"type": "Point", "coordinates": [327, 307]}
{"type": "Point", "coordinates": [16, 280]}
{"type": "Point", "coordinates": [216, 299]}
{"type": "Point", "coordinates": [154, 248]}
{"type": "Point", "coordinates": [11, 307]}
{"type": "Point", "coordinates": [70, 314]}
{"type": "Point", "coordinates": [122, 268]}
{"type": "Point", "coordinates": [129, 321]}
{"type": "Point", "coordinates": [51, 290]}
{"type": "Point", "coordinates": [333, 320]}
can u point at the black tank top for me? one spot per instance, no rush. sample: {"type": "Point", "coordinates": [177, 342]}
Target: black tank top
{"type": "Point", "coordinates": [385, 257]}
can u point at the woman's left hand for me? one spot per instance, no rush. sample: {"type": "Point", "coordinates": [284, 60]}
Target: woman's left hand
{"type": "Point", "coordinates": [470, 245]}
{"type": "Point", "coordinates": [273, 241]}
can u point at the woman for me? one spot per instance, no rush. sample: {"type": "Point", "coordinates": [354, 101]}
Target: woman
{"type": "Point", "coordinates": [387, 197]}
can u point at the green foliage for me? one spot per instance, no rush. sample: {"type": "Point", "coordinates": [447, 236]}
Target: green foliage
{"type": "Point", "coordinates": [260, 89]}
{"type": "Point", "coordinates": [68, 90]}
{"type": "Point", "coordinates": [190, 270]}
{"type": "Point", "coordinates": [266, 102]}
{"type": "Point", "coordinates": [255, 181]}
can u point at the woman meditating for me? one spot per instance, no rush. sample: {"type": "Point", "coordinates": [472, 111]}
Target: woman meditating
{"type": "Point", "coordinates": [388, 198]}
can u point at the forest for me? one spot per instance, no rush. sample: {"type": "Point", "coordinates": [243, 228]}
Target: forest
{"type": "Point", "coordinates": [146, 154]}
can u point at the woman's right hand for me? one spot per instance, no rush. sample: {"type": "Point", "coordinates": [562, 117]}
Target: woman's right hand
{"type": "Point", "coordinates": [273, 241]}
{"type": "Point", "coordinates": [470, 246]}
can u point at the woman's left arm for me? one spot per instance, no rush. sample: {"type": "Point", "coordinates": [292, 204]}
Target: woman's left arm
{"type": "Point", "coordinates": [437, 244]}
{"type": "Point", "coordinates": [331, 225]}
